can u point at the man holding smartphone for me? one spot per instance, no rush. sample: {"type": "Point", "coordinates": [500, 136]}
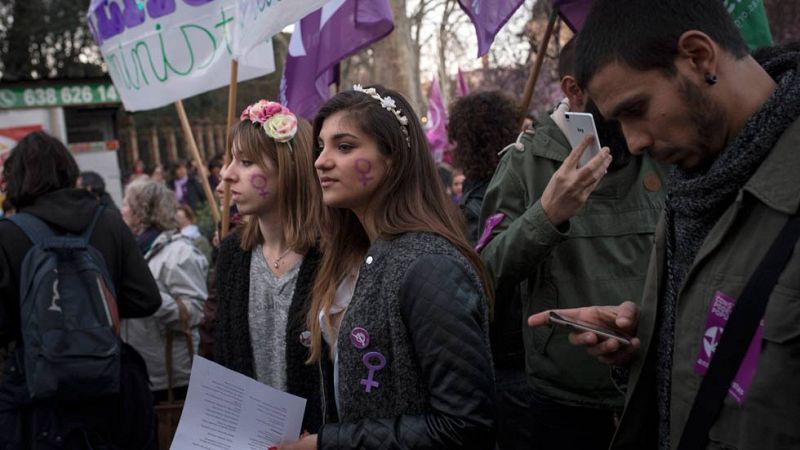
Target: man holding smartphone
{"type": "Point", "coordinates": [693, 96]}
{"type": "Point", "coordinates": [579, 236]}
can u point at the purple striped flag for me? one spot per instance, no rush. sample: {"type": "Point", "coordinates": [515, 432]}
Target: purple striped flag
{"type": "Point", "coordinates": [322, 39]}
{"type": "Point", "coordinates": [488, 16]}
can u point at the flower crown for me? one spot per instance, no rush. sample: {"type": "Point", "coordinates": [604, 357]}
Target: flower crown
{"type": "Point", "coordinates": [388, 104]}
{"type": "Point", "coordinates": [278, 122]}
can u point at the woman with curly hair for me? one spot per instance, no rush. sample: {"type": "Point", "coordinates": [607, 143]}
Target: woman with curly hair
{"type": "Point", "coordinates": [481, 125]}
{"type": "Point", "coordinates": [179, 269]}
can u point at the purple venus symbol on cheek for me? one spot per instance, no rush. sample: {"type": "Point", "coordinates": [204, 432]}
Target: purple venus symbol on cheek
{"type": "Point", "coordinates": [259, 183]}
{"type": "Point", "coordinates": [363, 169]}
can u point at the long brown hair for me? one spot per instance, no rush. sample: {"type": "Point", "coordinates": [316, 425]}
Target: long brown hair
{"type": "Point", "coordinates": [410, 198]}
{"type": "Point", "coordinates": [299, 194]}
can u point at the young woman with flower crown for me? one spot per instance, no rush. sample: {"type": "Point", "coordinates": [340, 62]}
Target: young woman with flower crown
{"type": "Point", "coordinates": [399, 313]}
{"type": "Point", "coordinates": [266, 267]}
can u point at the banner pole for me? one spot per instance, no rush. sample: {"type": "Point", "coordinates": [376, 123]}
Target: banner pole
{"type": "Point", "coordinates": [226, 199]}
{"type": "Point", "coordinates": [187, 131]}
{"type": "Point", "coordinates": [537, 67]}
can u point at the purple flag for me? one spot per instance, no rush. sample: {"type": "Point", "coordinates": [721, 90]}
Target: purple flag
{"type": "Point", "coordinates": [462, 87]}
{"type": "Point", "coordinates": [488, 16]}
{"type": "Point", "coordinates": [322, 39]}
{"type": "Point", "coordinates": [437, 122]}
{"type": "Point", "coordinates": [573, 12]}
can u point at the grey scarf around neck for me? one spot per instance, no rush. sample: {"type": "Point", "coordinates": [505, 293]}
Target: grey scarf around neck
{"type": "Point", "coordinates": [695, 202]}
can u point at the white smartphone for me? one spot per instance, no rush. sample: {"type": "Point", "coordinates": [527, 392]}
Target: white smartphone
{"type": "Point", "coordinates": [576, 325]}
{"type": "Point", "coordinates": [580, 125]}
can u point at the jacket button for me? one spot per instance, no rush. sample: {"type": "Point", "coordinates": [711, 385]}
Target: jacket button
{"type": "Point", "coordinates": [369, 259]}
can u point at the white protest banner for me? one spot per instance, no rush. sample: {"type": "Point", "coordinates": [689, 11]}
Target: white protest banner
{"type": "Point", "coordinates": [161, 51]}
{"type": "Point", "coordinates": [262, 19]}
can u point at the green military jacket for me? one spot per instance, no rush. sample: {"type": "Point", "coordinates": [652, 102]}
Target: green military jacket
{"type": "Point", "coordinates": [770, 413]}
{"type": "Point", "coordinates": [599, 258]}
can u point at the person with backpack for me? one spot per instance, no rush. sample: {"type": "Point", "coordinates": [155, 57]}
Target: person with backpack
{"type": "Point", "coordinates": [81, 387]}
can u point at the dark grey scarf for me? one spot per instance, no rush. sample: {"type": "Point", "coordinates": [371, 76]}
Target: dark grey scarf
{"type": "Point", "coordinates": [696, 201]}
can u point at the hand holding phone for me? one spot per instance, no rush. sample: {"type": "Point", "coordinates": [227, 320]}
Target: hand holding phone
{"type": "Point", "coordinates": [580, 125]}
{"type": "Point", "coordinates": [622, 318]}
{"type": "Point", "coordinates": [577, 325]}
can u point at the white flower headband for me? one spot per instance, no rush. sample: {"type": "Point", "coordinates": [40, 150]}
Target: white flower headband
{"type": "Point", "coordinates": [277, 121]}
{"type": "Point", "coordinates": [388, 104]}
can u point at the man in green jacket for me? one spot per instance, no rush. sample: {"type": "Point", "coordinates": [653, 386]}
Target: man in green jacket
{"type": "Point", "coordinates": [679, 78]}
{"type": "Point", "coordinates": [579, 237]}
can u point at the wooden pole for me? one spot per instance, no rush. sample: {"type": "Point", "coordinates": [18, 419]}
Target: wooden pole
{"type": "Point", "coordinates": [187, 133]}
{"type": "Point", "coordinates": [537, 67]}
{"type": "Point", "coordinates": [226, 199]}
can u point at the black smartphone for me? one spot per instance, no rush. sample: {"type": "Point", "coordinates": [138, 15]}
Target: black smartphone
{"type": "Point", "coordinates": [576, 325]}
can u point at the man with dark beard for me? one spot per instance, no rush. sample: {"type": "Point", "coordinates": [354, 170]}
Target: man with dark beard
{"type": "Point", "coordinates": [678, 77]}
{"type": "Point", "coordinates": [579, 237]}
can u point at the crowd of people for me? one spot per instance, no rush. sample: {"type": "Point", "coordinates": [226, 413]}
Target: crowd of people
{"type": "Point", "coordinates": [414, 313]}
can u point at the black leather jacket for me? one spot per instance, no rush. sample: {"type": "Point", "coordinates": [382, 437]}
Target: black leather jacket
{"type": "Point", "coordinates": [437, 295]}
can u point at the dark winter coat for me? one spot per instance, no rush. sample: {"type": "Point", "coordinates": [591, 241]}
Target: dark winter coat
{"type": "Point", "coordinates": [421, 374]}
{"type": "Point", "coordinates": [125, 420]}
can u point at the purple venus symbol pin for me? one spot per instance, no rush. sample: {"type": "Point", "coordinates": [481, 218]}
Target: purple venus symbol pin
{"type": "Point", "coordinates": [363, 168]}
{"type": "Point", "coordinates": [359, 338]}
{"type": "Point", "coordinates": [259, 183]}
{"type": "Point", "coordinates": [368, 382]}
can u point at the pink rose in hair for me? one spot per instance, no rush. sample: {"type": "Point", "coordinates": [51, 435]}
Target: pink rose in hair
{"type": "Point", "coordinates": [245, 114]}
{"type": "Point", "coordinates": [257, 112]}
{"type": "Point", "coordinates": [273, 108]}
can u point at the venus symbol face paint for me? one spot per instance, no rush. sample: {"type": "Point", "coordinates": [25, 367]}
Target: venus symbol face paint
{"type": "Point", "coordinates": [259, 183]}
{"type": "Point", "coordinates": [363, 169]}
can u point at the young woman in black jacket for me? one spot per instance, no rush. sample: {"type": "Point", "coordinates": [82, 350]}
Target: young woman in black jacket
{"type": "Point", "coordinates": [399, 313]}
{"type": "Point", "coordinates": [266, 267]}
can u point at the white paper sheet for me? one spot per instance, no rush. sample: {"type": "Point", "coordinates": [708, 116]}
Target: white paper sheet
{"type": "Point", "coordinates": [226, 410]}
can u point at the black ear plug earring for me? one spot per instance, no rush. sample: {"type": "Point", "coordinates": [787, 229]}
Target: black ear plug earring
{"type": "Point", "coordinates": [711, 79]}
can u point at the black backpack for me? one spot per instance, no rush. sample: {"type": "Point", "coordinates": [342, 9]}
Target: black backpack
{"type": "Point", "coordinates": [68, 312]}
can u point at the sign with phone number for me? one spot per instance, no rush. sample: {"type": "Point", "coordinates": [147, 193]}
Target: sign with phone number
{"type": "Point", "coordinates": [58, 95]}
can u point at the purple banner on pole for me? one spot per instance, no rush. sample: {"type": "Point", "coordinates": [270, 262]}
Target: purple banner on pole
{"type": "Point", "coordinates": [322, 39]}
{"type": "Point", "coordinates": [488, 16]}
{"type": "Point", "coordinates": [437, 122]}
{"type": "Point", "coordinates": [573, 12]}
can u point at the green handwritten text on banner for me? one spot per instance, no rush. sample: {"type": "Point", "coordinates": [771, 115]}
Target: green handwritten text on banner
{"type": "Point", "coordinates": [171, 50]}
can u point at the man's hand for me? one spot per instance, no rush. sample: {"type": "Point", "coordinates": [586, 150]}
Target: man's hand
{"type": "Point", "coordinates": [568, 189]}
{"type": "Point", "coordinates": [624, 318]}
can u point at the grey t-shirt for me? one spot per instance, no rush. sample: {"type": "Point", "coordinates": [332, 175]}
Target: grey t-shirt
{"type": "Point", "coordinates": [268, 314]}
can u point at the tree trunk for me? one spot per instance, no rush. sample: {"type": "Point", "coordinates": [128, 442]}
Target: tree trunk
{"type": "Point", "coordinates": [394, 60]}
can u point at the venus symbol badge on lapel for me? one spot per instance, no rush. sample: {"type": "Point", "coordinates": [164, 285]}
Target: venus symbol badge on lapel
{"type": "Point", "coordinates": [368, 359]}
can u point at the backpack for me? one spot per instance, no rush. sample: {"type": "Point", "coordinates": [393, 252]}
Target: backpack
{"type": "Point", "coordinates": [68, 313]}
